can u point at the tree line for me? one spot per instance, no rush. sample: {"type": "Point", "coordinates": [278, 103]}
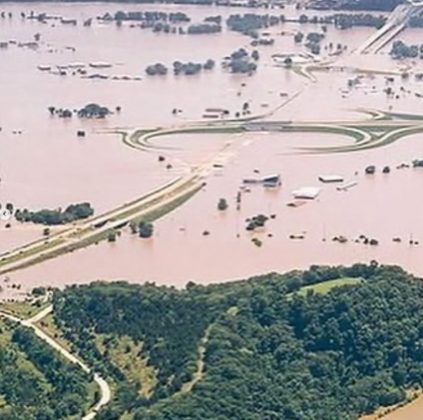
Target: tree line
{"type": "Point", "coordinates": [48, 217]}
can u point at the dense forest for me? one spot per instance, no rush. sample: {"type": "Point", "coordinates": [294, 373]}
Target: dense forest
{"type": "Point", "coordinates": [328, 343]}
{"type": "Point", "coordinates": [35, 383]}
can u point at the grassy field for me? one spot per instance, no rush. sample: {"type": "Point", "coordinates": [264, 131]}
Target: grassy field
{"type": "Point", "coordinates": [48, 325]}
{"type": "Point", "coordinates": [342, 130]}
{"type": "Point", "coordinates": [22, 309]}
{"type": "Point", "coordinates": [125, 354]}
{"type": "Point", "coordinates": [326, 286]}
{"type": "Point", "coordinates": [227, 129]}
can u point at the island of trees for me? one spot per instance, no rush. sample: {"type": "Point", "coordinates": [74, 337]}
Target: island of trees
{"type": "Point", "coordinates": [240, 61]}
{"type": "Point", "coordinates": [180, 68]}
{"type": "Point", "coordinates": [250, 23]}
{"type": "Point", "coordinates": [88, 111]}
{"type": "Point", "coordinates": [48, 217]}
{"type": "Point", "coordinates": [149, 16]}
{"type": "Point", "coordinates": [144, 229]}
{"type": "Point", "coordinates": [401, 50]}
{"type": "Point", "coordinates": [189, 68]}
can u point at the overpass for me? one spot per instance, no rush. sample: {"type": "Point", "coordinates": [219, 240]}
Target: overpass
{"type": "Point", "coordinates": [396, 22]}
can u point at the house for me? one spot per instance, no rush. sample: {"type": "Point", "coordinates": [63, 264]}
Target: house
{"type": "Point", "coordinates": [272, 181]}
{"type": "Point", "coordinates": [306, 193]}
{"type": "Point", "coordinates": [330, 178]}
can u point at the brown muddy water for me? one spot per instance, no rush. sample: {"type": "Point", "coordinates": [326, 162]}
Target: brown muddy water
{"type": "Point", "coordinates": [47, 166]}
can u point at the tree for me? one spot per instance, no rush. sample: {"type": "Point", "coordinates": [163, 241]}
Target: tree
{"type": "Point", "coordinates": [56, 217]}
{"type": "Point", "coordinates": [145, 230]}
{"type": "Point", "coordinates": [222, 205]}
{"type": "Point", "coordinates": [303, 18]}
{"type": "Point", "coordinates": [298, 37]}
{"type": "Point", "coordinates": [157, 69]}
{"type": "Point", "coordinates": [288, 62]}
{"type": "Point", "coordinates": [209, 64]}
{"type": "Point", "coordinates": [93, 111]}
{"type": "Point", "coordinates": [133, 227]}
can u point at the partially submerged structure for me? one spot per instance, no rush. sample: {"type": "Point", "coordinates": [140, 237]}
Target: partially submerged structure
{"type": "Point", "coordinates": [370, 170]}
{"type": "Point", "coordinates": [347, 186]}
{"type": "Point", "coordinates": [331, 178]}
{"type": "Point", "coordinates": [294, 57]}
{"type": "Point", "coordinates": [306, 193]}
{"type": "Point", "coordinates": [271, 181]}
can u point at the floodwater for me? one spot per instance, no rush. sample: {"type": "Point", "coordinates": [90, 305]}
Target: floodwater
{"type": "Point", "coordinates": [411, 411]}
{"type": "Point", "coordinates": [47, 166]}
{"type": "Point", "coordinates": [380, 207]}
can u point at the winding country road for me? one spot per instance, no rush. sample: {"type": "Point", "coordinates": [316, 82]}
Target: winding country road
{"type": "Point", "coordinates": [105, 393]}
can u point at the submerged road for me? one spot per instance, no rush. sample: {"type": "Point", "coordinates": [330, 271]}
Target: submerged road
{"type": "Point", "coordinates": [105, 393]}
{"type": "Point", "coordinates": [381, 129]}
{"type": "Point", "coordinates": [86, 233]}
{"type": "Point", "coordinates": [90, 231]}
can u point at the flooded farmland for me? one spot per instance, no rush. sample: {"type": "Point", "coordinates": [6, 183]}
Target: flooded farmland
{"type": "Point", "coordinates": [43, 164]}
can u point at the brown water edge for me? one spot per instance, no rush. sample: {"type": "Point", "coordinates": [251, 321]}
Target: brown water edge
{"type": "Point", "coordinates": [407, 411]}
{"type": "Point", "coordinates": [411, 411]}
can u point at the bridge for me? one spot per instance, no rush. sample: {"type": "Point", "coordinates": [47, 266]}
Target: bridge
{"type": "Point", "coordinates": [396, 23]}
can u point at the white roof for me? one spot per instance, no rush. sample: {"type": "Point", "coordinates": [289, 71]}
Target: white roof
{"type": "Point", "coordinates": [306, 192]}
{"type": "Point", "coordinates": [331, 178]}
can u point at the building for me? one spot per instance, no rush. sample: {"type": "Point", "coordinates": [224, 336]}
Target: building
{"type": "Point", "coordinates": [306, 193]}
{"type": "Point", "coordinates": [330, 178]}
{"type": "Point", "coordinates": [272, 181]}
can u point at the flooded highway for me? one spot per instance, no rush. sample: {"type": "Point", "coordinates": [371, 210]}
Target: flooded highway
{"type": "Point", "coordinates": [43, 164]}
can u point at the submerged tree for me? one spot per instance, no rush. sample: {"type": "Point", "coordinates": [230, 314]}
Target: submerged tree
{"type": "Point", "coordinates": [222, 205]}
{"type": "Point", "coordinates": [145, 230]}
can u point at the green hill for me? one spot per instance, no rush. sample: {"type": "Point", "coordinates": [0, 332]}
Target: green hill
{"type": "Point", "coordinates": [270, 347]}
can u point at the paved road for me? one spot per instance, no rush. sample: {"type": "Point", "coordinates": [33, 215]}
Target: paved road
{"type": "Point", "coordinates": [102, 384]}
{"type": "Point", "coordinates": [87, 231]}
{"type": "Point", "coordinates": [162, 197]}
